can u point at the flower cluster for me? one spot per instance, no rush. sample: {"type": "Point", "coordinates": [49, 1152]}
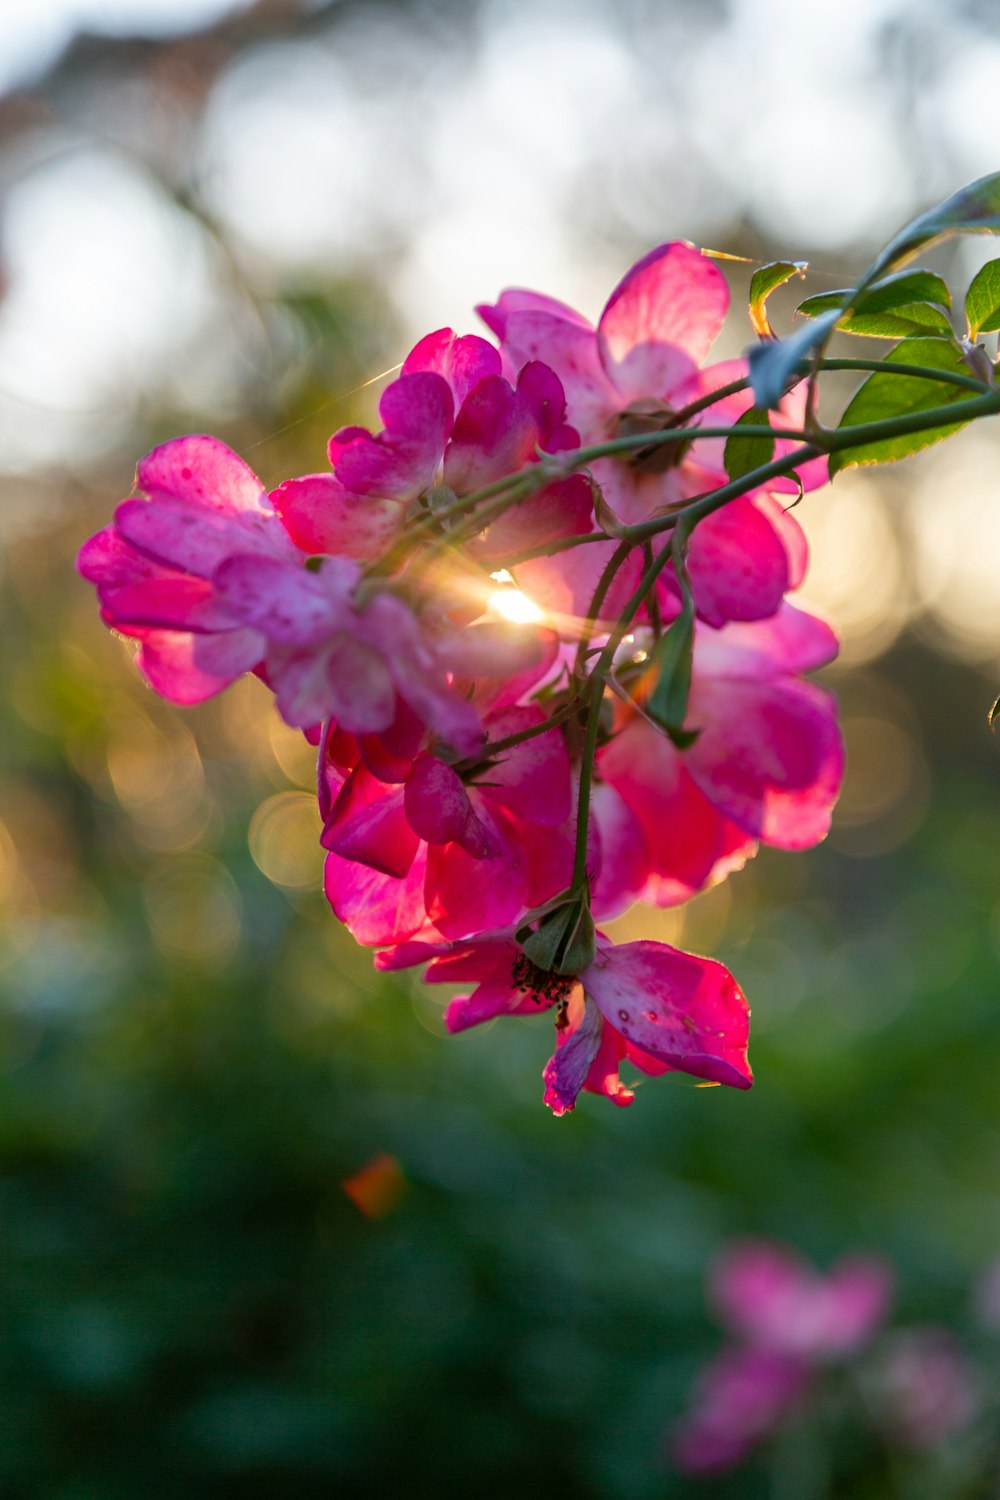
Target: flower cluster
{"type": "Point", "coordinates": [538, 631]}
{"type": "Point", "coordinates": [793, 1333]}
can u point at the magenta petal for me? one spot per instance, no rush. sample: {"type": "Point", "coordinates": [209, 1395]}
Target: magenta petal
{"type": "Point", "coordinates": [686, 1011]}
{"type": "Point", "coordinates": [439, 809]}
{"type": "Point", "coordinates": [200, 471]}
{"type": "Point", "coordinates": [320, 515]}
{"type": "Point", "coordinates": [661, 320]}
{"type": "Point", "coordinates": [769, 756]}
{"type": "Point", "coordinates": [368, 823]}
{"type": "Point", "coordinates": [467, 895]}
{"type": "Point", "coordinates": [577, 1046]}
{"type": "Point", "coordinates": [625, 856]}
{"type": "Point", "coordinates": [690, 844]}
{"type": "Point", "coordinates": [108, 561]}
{"type": "Point", "coordinates": [462, 361]}
{"type": "Point", "coordinates": [495, 995]}
{"type": "Point", "coordinates": [376, 909]}
{"type": "Point", "coordinates": [561, 510]}
{"type": "Point", "coordinates": [177, 602]}
{"type": "Point", "coordinates": [790, 641]}
{"type": "Point", "coordinates": [568, 345]}
{"type": "Point", "coordinates": [198, 540]}
{"type": "Point", "coordinates": [531, 779]}
{"type": "Point", "coordinates": [362, 693]}
{"type": "Point", "coordinates": [417, 412]}
{"type": "Point", "coordinates": [287, 603]}
{"type": "Point", "coordinates": [190, 668]}
{"type": "Point", "coordinates": [563, 585]}
{"type": "Point", "coordinates": [738, 564]}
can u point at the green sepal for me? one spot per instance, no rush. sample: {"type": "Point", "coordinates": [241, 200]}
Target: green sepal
{"type": "Point", "coordinates": [764, 281]}
{"type": "Point", "coordinates": [564, 941]}
{"type": "Point", "coordinates": [672, 661]}
{"type": "Point", "coordinates": [982, 302]}
{"type": "Point", "coordinates": [885, 395]}
{"type": "Point", "coordinates": [743, 453]}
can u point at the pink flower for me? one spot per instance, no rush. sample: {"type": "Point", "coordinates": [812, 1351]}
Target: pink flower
{"type": "Point", "coordinates": [766, 764]}
{"type": "Point", "coordinates": [741, 1398]}
{"type": "Point", "coordinates": [631, 374]}
{"type": "Point", "coordinates": [923, 1389]}
{"type": "Point", "coordinates": [154, 568]}
{"type": "Point", "coordinates": [449, 419]}
{"type": "Point", "coordinates": [659, 1008]}
{"type": "Point", "coordinates": [773, 1300]}
{"type": "Point", "coordinates": [486, 835]}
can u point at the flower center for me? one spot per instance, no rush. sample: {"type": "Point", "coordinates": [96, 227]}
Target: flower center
{"type": "Point", "coordinates": [647, 415]}
{"type": "Point", "coordinates": [539, 985]}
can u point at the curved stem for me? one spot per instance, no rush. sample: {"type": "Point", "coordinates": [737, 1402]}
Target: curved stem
{"type": "Point", "coordinates": [598, 597]}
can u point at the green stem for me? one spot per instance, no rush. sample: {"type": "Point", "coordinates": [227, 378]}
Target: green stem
{"type": "Point", "coordinates": [598, 597]}
{"type": "Point", "coordinates": [579, 882]}
{"type": "Point", "coordinates": [597, 675]}
{"type": "Point", "coordinates": [493, 747]}
{"type": "Point", "coordinates": [920, 372]}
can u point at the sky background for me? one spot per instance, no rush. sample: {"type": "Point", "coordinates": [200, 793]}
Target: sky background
{"type": "Point", "coordinates": [151, 221]}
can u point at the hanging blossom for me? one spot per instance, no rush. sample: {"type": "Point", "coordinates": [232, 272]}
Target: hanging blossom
{"type": "Point", "coordinates": [457, 615]}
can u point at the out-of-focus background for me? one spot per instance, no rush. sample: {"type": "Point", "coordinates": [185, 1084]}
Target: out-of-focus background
{"type": "Point", "coordinates": [235, 219]}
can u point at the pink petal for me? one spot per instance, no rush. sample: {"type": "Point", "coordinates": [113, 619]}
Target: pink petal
{"type": "Point", "coordinates": [287, 603]}
{"type": "Point", "coordinates": [562, 340]}
{"type": "Point", "coordinates": [320, 515]}
{"type": "Point", "coordinates": [603, 1076]}
{"type": "Point", "coordinates": [361, 690]}
{"type": "Point", "coordinates": [462, 361]}
{"type": "Point", "coordinates": [368, 823]}
{"type": "Point", "coordinates": [563, 509]}
{"type": "Point", "coordinates": [200, 471]}
{"type": "Point", "coordinates": [738, 564]}
{"type": "Point", "coordinates": [563, 585]}
{"type": "Point", "coordinates": [190, 668]}
{"type": "Point", "coordinates": [625, 858]}
{"type": "Point", "coordinates": [686, 1011]}
{"type": "Point", "coordinates": [769, 757]}
{"type": "Point", "coordinates": [661, 320]}
{"type": "Point", "coordinates": [376, 909]}
{"type": "Point", "coordinates": [466, 895]}
{"type": "Point", "coordinates": [688, 840]}
{"type": "Point", "coordinates": [175, 602]}
{"type": "Point", "coordinates": [109, 561]}
{"type": "Point", "coordinates": [197, 540]}
{"type": "Point", "coordinates": [531, 779]}
{"type": "Point", "coordinates": [397, 464]}
{"type": "Point", "coordinates": [790, 641]}
{"type": "Point", "coordinates": [495, 995]}
{"type": "Point", "coordinates": [577, 1045]}
{"type": "Point", "coordinates": [439, 810]}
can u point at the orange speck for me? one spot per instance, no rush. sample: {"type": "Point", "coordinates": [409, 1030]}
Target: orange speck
{"type": "Point", "coordinates": [377, 1187]}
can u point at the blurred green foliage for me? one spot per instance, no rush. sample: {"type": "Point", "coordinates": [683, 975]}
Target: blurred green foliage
{"type": "Point", "coordinates": [196, 1059]}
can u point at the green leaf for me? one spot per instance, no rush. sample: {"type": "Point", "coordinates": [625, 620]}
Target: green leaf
{"type": "Point", "coordinates": [907, 304]}
{"type": "Point", "coordinates": [899, 290]}
{"type": "Point", "coordinates": [773, 364]}
{"type": "Point", "coordinates": [886, 395]}
{"type": "Point", "coordinates": [668, 701]}
{"type": "Point", "coordinates": [982, 304]}
{"type": "Point", "coordinates": [994, 714]}
{"type": "Point", "coordinates": [974, 209]}
{"type": "Point", "coordinates": [764, 281]}
{"type": "Point", "coordinates": [743, 453]}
